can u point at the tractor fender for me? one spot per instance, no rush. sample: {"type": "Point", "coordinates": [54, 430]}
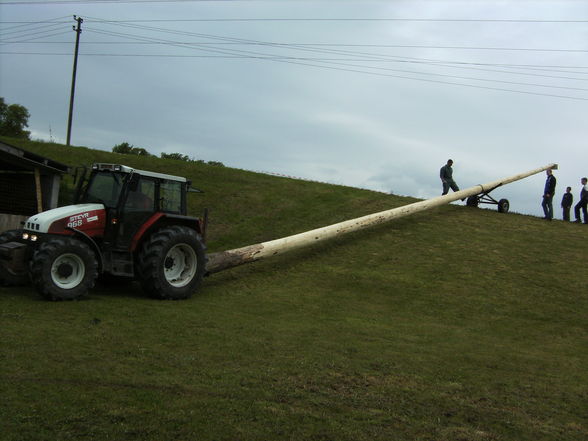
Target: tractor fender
{"type": "Point", "coordinates": [92, 243]}
{"type": "Point", "coordinates": [159, 220]}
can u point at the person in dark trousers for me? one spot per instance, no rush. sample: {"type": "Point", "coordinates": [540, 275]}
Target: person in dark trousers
{"type": "Point", "coordinates": [566, 203]}
{"type": "Point", "coordinates": [583, 202]}
{"type": "Point", "coordinates": [548, 193]}
{"type": "Point", "coordinates": [446, 174]}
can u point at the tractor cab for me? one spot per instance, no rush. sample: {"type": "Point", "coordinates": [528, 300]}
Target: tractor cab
{"type": "Point", "coordinates": [118, 186]}
{"type": "Point", "coordinates": [130, 198]}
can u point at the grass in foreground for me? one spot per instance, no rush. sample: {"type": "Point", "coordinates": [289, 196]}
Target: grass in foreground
{"type": "Point", "coordinates": [453, 324]}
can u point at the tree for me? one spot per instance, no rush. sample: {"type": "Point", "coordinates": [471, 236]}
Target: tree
{"type": "Point", "coordinates": [177, 156]}
{"type": "Point", "coordinates": [128, 149]}
{"type": "Point", "coordinates": [13, 120]}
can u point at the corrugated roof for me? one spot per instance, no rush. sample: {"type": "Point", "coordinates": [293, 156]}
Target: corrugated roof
{"type": "Point", "coordinates": [16, 159]}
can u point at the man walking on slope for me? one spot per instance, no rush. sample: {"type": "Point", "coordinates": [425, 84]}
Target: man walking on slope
{"type": "Point", "coordinates": [446, 174]}
{"type": "Point", "coordinates": [548, 192]}
{"type": "Point", "coordinates": [583, 202]}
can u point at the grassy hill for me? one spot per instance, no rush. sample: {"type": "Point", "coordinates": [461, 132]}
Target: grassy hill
{"type": "Point", "coordinates": [452, 324]}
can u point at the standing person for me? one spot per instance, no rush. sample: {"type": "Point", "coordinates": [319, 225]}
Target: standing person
{"type": "Point", "coordinates": [548, 192]}
{"type": "Point", "coordinates": [446, 174]}
{"type": "Point", "coordinates": [566, 203]}
{"type": "Point", "coordinates": [583, 202]}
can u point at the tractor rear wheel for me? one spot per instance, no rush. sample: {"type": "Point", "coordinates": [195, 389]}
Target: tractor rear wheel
{"type": "Point", "coordinates": [171, 263]}
{"type": "Point", "coordinates": [63, 269]}
{"type": "Point", "coordinates": [11, 276]}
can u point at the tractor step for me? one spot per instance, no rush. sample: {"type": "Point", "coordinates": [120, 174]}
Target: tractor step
{"type": "Point", "coordinates": [120, 263]}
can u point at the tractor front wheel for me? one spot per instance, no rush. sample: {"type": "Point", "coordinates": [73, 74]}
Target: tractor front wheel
{"type": "Point", "coordinates": [171, 263]}
{"type": "Point", "coordinates": [63, 269]}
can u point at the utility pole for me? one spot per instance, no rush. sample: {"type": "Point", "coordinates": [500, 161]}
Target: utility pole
{"type": "Point", "coordinates": [78, 31]}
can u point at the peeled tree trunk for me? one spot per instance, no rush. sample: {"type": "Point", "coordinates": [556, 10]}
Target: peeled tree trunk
{"type": "Point", "coordinates": [228, 259]}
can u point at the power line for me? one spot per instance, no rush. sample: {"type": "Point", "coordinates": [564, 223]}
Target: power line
{"type": "Point", "coordinates": [28, 32]}
{"type": "Point", "coordinates": [322, 63]}
{"type": "Point", "coordinates": [348, 68]}
{"type": "Point", "coordinates": [442, 20]}
{"type": "Point", "coordinates": [26, 23]}
{"type": "Point", "coordinates": [315, 60]}
{"type": "Point", "coordinates": [86, 2]}
{"type": "Point", "coordinates": [318, 48]}
{"type": "Point", "coordinates": [239, 40]}
{"type": "Point", "coordinates": [312, 45]}
{"type": "Point", "coordinates": [270, 19]}
{"type": "Point", "coordinates": [46, 35]}
{"type": "Point", "coordinates": [258, 55]}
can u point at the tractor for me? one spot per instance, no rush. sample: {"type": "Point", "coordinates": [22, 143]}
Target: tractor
{"type": "Point", "coordinates": [125, 223]}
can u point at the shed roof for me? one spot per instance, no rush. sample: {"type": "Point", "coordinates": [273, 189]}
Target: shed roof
{"type": "Point", "coordinates": [16, 159]}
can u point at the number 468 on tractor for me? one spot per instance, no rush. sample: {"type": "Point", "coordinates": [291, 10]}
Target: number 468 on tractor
{"type": "Point", "coordinates": [124, 222]}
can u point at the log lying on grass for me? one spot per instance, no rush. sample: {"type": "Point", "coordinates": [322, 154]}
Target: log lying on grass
{"type": "Point", "coordinates": [228, 259]}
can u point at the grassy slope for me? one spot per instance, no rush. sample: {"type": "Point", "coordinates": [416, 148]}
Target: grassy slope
{"type": "Point", "coordinates": [453, 324]}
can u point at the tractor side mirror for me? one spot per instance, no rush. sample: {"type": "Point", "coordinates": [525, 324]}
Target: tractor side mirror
{"type": "Point", "coordinates": [134, 182]}
{"type": "Point", "coordinates": [79, 180]}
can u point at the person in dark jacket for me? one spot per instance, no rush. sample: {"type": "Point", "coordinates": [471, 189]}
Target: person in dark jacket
{"type": "Point", "coordinates": [566, 203]}
{"type": "Point", "coordinates": [583, 202]}
{"type": "Point", "coordinates": [548, 193]}
{"type": "Point", "coordinates": [446, 175]}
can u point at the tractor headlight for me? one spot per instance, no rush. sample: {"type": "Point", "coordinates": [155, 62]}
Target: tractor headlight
{"type": "Point", "coordinates": [31, 237]}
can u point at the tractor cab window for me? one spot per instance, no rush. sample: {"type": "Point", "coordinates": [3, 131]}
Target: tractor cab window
{"type": "Point", "coordinates": [170, 196]}
{"type": "Point", "coordinates": [142, 197]}
{"type": "Point", "coordinates": [104, 188]}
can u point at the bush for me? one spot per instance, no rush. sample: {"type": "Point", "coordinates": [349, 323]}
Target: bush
{"type": "Point", "coordinates": [128, 149]}
{"type": "Point", "coordinates": [176, 156]}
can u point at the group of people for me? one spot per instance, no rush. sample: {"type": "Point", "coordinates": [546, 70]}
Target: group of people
{"type": "Point", "coordinates": [566, 201]}
{"type": "Point", "coordinates": [446, 174]}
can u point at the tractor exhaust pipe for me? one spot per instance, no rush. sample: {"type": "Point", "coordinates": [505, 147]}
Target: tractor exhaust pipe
{"type": "Point", "coordinates": [228, 259]}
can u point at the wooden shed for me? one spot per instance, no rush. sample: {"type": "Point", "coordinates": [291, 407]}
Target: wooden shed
{"type": "Point", "coordinates": [29, 184]}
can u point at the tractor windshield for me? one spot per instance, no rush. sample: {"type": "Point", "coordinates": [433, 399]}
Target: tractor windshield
{"type": "Point", "coordinates": [104, 187]}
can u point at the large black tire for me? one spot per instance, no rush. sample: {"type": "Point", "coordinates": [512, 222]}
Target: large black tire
{"type": "Point", "coordinates": [503, 206]}
{"type": "Point", "coordinates": [9, 277]}
{"type": "Point", "coordinates": [171, 263]}
{"type": "Point", "coordinates": [63, 269]}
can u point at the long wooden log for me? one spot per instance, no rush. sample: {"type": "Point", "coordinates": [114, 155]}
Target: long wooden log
{"type": "Point", "coordinates": [228, 259]}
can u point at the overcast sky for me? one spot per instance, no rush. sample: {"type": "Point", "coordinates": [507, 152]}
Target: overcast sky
{"type": "Point", "coordinates": [375, 95]}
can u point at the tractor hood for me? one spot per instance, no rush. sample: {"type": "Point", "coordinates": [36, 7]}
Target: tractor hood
{"type": "Point", "coordinates": [89, 218]}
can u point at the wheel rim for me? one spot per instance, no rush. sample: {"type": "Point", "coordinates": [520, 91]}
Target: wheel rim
{"type": "Point", "coordinates": [180, 265]}
{"type": "Point", "coordinates": [68, 271]}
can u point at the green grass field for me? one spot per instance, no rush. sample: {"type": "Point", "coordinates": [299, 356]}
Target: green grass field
{"type": "Point", "coordinates": [452, 324]}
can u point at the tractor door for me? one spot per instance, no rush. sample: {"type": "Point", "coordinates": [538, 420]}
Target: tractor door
{"type": "Point", "coordinates": [138, 207]}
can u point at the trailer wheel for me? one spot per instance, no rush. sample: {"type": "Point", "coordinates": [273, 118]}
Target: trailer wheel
{"type": "Point", "coordinates": [171, 263]}
{"type": "Point", "coordinates": [64, 269]}
{"type": "Point", "coordinates": [472, 201]}
{"type": "Point", "coordinates": [11, 276]}
{"type": "Point", "coordinates": [503, 206]}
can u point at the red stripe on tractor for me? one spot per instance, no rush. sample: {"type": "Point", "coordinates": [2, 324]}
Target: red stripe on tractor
{"type": "Point", "coordinates": [139, 234]}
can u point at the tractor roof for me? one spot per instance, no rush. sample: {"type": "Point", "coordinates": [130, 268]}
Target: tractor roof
{"type": "Point", "coordinates": [124, 169]}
